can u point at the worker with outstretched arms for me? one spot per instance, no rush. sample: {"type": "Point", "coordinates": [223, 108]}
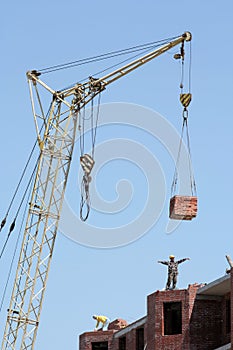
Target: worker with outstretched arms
{"type": "Point", "coordinates": [101, 319]}
{"type": "Point", "coordinates": [172, 270]}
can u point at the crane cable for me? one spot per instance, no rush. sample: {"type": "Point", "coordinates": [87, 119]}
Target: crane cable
{"type": "Point", "coordinates": [182, 54]}
{"type": "Point", "coordinates": [105, 56]}
{"type": "Point", "coordinates": [17, 187]}
{"type": "Point", "coordinates": [142, 48]}
{"type": "Point", "coordinates": [87, 161]}
{"type": "Point", "coordinates": [14, 253]}
{"type": "Point", "coordinates": [24, 261]}
{"type": "Point", "coordinates": [175, 178]}
{"type": "Point", "coordinates": [94, 127]}
{"type": "Point", "coordinates": [19, 207]}
{"type": "Point", "coordinates": [12, 226]}
{"type": "Point", "coordinates": [114, 66]}
{"type": "Point", "coordinates": [185, 99]}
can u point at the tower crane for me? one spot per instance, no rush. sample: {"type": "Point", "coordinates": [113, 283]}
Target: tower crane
{"type": "Point", "coordinates": [56, 137]}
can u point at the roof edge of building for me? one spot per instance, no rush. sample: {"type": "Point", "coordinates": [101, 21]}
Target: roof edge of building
{"type": "Point", "coordinates": [136, 324]}
{"type": "Point", "coordinates": [210, 287]}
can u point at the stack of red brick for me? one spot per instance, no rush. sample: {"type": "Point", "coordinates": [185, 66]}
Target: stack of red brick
{"type": "Point", "coordinates": [183, 207]}
{"type": "Point", "coordinates": [118, 324]}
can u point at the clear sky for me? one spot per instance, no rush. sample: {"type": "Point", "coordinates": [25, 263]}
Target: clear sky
{"type": "Point", "coordinates": [86, 280]}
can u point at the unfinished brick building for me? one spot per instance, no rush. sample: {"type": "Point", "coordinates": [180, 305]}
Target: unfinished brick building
{"type": "Point", "coordinates": [196, 318]}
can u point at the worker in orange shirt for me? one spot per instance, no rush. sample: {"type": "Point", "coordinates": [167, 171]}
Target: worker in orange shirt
{"type": "Point", "coordinates": [101, 319]}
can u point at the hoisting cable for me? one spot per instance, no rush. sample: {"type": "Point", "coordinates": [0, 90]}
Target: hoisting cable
{"type": "Point", "coordinates": [21, 178]}
{"type": "Point", "coordinates": [181, 55]}
{"type": "Point", "coordinates": [15, 250]}
{"type": "Point", "coordinates": [25, 250]}
{"type": "Point", "coordinates": [182, 68]}
{"type": "Point", "coordinates": [190, 65]}
{"type": "Point", "coordinates": [104, 56]}
{"type": "Point", "coordinates": [192, 179]}
{"type": "Point", "coordinates": [185, 99]}
{"type": "Point", "coordinates": [175, 177]}
{"type": "Point", "coordinates": [94, 127]}
{"type": "Point", "coordinates": [85, 197]}
{"type": "Point", "coordinates": [145, 50]}
{"type": "Point", "coordinates": [90, 60]}
{"type": "Point", "coordinates": [84, 184]}
{"type": "Point", "coordinates": [17, 187]}
{"type": "Point", "coordinates": [81, 129]}
{"type": "Point", "coordinates": [87, 161]}
{"type": "Point", "coordinates": [12, 226]}
{"type": "Point", "coordinates": [113, 66]}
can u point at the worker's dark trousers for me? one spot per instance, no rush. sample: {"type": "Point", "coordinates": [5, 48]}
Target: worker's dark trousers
{"type": "Point", "coordinates": [172, 278]}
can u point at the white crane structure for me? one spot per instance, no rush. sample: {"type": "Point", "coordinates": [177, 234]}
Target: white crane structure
{"type": "Point", "coordinates": [56, 137]}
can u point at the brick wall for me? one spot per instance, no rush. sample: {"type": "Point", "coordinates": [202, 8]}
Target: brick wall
{"type": "Point", "coordinates": [232, 307]}
{"type": "Point", "coordinates": [86, 339]}
{"type": "Point", "coordinates": [130, 334]}
{"type": "Point", "coordinates": [203, 326]}
{"type": "Point", "coordinates": [130, 341]}
{"type": "Point", "coordinates": [226, 330]}
{"type": "Point", "coordinates": [206, 325]}
{"type": "Point", "coordinates": [157, 339]}
{"type": "Point", "coordinates": [151, 320]}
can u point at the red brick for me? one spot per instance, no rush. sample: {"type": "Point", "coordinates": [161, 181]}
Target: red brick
{"type": "Point", "coordinates": [183, 208]}
{"type": "Point", "coordinates": [118, 324]}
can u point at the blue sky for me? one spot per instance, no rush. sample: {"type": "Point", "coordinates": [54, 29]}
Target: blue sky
{"type": "Point", "coordinates": [84, 280]}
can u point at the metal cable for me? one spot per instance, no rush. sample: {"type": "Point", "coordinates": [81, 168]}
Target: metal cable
{"type": "Point", "coordinates": [190, 65]}
{"type": "Point", "coordinates": [17, 187]}
{"type": "Point", "coordinates": [85, 198]}
{"type": "Point", "coordinates": [22, 176]}
{"type": "Point", "coordinates": [108, 68]}
{"type": "Point", "coordinates": [191, 175]}
{"type": "Point", "coordinates": [85, 184]}
{"type": "Point", "coordinates": [14, 254]}
{"type": "Point", "coordinates": [175, 177]}
{"type": "Point", "coordinates": [103, 56]}
{"type": "Point", "coordinates": [95, 128]}
{"type": "Point", "coordinates": [192, 180]}
{"type": "Point", "coordinates": [17, 213]}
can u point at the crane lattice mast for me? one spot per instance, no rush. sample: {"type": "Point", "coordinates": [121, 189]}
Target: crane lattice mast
{"type": "Point", "coordinates": [56, 137]}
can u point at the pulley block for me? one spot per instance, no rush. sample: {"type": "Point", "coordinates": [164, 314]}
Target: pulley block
{"type": "Point", "coordinates": [87, 163]}
{"type": "Point", "coordinates": [185, 99]}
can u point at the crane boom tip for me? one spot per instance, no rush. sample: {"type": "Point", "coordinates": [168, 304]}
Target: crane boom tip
{"type": "Point", "coordinates": [187, 36]}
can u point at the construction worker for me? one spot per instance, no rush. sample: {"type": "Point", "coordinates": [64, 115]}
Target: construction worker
{"type": "Point", "coordinates": [172, 270]}
{"type": "Point", "coordinates": [101, 319]}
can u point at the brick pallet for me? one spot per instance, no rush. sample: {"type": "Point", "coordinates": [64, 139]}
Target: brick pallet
{"type": "Point", "coordinates": [183, 207]}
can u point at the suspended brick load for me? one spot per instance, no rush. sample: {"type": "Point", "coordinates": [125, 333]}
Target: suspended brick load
{"type": "Point", "coordinates": [183, 207]}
